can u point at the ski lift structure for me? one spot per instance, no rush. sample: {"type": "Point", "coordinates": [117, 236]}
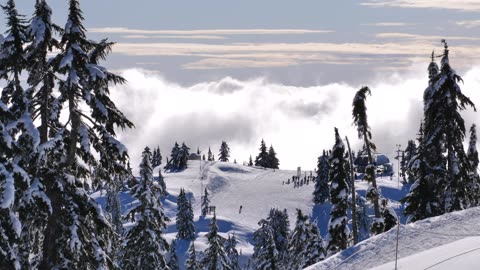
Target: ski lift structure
{"type": "Point", "coordinates": [212, 210]}
{"type": "Point", "coordinates": [382, 164]}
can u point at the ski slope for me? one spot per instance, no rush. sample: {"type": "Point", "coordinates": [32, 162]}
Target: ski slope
{"type": "Point", "coordinates": [451, 241]}
{"type": "Point", "coordinates": [257, 190]}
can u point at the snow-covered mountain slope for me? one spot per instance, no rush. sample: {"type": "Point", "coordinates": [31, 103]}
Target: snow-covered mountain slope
{"type": "Point", "coordinates": [257, 190]}
{"type": "Point", "coordinates": [451, 241]}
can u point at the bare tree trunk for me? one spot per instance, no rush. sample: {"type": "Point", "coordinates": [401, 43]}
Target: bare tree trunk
{"type": "Point", "coordinates": [49, 249]}
{"type": "Point", "coordinates": [376, 205]}
{"type": "Point", "coordinates": [354, 202]}
{"type": "Point", "coordinates": [75, 118]}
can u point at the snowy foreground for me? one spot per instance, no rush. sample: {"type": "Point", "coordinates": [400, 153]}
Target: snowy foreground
{"type": "Point", "coordinates": [451, 241]}
{"type": "Point", "coordinates": [255, 189]}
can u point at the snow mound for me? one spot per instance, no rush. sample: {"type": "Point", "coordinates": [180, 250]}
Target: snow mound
{"type": "Point", "coordinates": [426, 237]}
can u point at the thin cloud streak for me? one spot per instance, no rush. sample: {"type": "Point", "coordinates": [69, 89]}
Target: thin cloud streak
{"type": "Point", "coordinates": [120, 30]}
{"type": "Point", "coordinates": [263, 55]}
{"type": "Point", "coordinates": [468, 24]}
{"type": "Point", "coordinates": [464, 5]}
{"type": "Point", "coordinates": [171, 37]}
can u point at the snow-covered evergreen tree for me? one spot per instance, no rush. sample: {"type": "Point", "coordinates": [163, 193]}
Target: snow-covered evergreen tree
{"type": "Point", "coordinates": [443, 114]}
{"type": "Point", "coordinates": [224, 152]}
{"type": "Point", "coordinates": [232, 252]}
{"type": "Point", "coordinates": [360, 119]}
{"type": "Point", "coordinates": [262, 159]}
{"type": "Point", "coordinates": [410, 153]}
{"type": "Point", "coordinates": [173, 163]}
{"type": "Point", "coordinates": [172, 256]}
{"type": "Point", "coordinates": [265, 254]}
{"type": "Point", "coordinates": [191, 263]}
{"type": "Point", "coordinates": [389, 216]}
{"type": "Point", "coordinates": [77, 229]}
{"type": "Point", "coordinates": [205, 203]}
{"type": "Point", "coordinates": [113, 208]}
{"type": "Point", "coordinates": [472, 154]}
{"type": "Point", "coordinates": [338, 232]}
{"type": "Point", "coordinates": [21, 192]}
{"type": "Point", "coordinates": [305, 245]}
{"type": "Point", "coordinates": [184, 221]}
{"type": "Point", "coordinates": [210, 155]}
{"type": "Point", "coordinates": [321, 191]}
{"type": "Point", "coordinates": [278, 221]}
{"type": "Point", "coordinates": [250, 161]}
{"type": "Point", "coordinates": [442, 165]}
{"type": "Point", "coordinates": [273, 161]}
{"type": "Point", "coordinates": [144, 244]}
{"type": "Point", "coordinates": [178, 158]}
{"type": "Point", "coordinates": [184, 155]}
{"type": "Point", "coordinates": [363, 217]}
{"type": "Point", "coordinates": [215, 256]}
{"type": "Point", "coordinates": [162, 185]}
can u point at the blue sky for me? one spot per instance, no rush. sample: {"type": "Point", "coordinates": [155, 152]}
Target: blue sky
{"type": "Point", "coordinates": [363, 39]}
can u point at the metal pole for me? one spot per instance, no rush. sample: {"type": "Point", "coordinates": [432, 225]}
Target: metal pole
{"type": "Point", "coordinates": [398, 169]}
{"type": "Point", "coordinates": [396, 249]}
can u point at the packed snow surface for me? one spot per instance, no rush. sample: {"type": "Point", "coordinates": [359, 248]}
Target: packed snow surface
{"type": "Point", "coordinates": [257, 190]}
{"type": "Point", "coordinates": [451, 241]}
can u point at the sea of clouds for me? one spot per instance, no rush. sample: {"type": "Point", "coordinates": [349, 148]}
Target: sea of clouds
{"type": "Point", "coordinates": [298, 121]}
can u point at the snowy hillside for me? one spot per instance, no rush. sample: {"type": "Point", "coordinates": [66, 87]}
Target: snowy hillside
{"type": "Point", "coordinates": [451, 241]}
{"type": "Point", "coordinates": [255, 189]}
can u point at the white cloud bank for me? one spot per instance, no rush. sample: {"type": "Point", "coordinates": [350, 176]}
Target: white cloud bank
{"type": "Point", "coordinates": [298, 121]}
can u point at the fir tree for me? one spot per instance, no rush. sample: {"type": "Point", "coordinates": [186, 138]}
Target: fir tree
{"type": "Point", "coordinates": [273, 162]}
{"type": "Point", "coordinates": [157, 157]}
{"type": "Point", "coordinates": [442, 186]}
{"type": "Point", "coordinates": [205, 203]}
{"type": "Point", "coordinates": [278, 221]}
{"type": "Point", "coordinates": [265, 253]}
{"type": "Point", "coordinates": [305, 246]}
{"type": "Point", "coordinates": [184, 154]}
{"type": "Point", "coordinates": [210, 155]}
{"type": "Point", "coordinates": [262, 159]}
{"type": "Point", "coordinates": [178, 158]}
{"type": "Point", "coordinates": [184, 220]}
{"type": "Point", "coordinates": [321, 191]}
{"type": "Point", "coordinates": [232, 253]}
{"type": "Point", "coordinates": [410, 153]}
{"type": "Point", "coordinates": [114, 216]}
{"type": "Point", "coordinates": [472, 154]}
{"type": "Point", "coordinates": [363, 217]}
{"type": "Point", "coordinates": [112, 207]}
{"type": "Point", "coordinates": [215, 256]}
{"type": "Point", "coordinates": [172, 256]}
{"type": "Point", "coordinates": [360, 120]}
{"type": "Point", "coordinates": [78, 232]}
{"type": "Point", "coordinates": [162, 185]}
{"type": "Point", "coordinates": [338, 231]}
{"type": "Point", "coordinates": [191, 263]}
{"type": "Point", "coordinates": [250, 161]}
{"type": "Point", "coordinates": [422, 201]}
{"type": "Point", "coordinates": [224, 152]}
{"type": "Point", "coordinates": [448, 102]}
{"type": "Point", "coordinates": [20, 193]}
{"type": "Point", "coordinates": [144, 244]}
{"type": "Point", "coordinates": [389, 215]}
